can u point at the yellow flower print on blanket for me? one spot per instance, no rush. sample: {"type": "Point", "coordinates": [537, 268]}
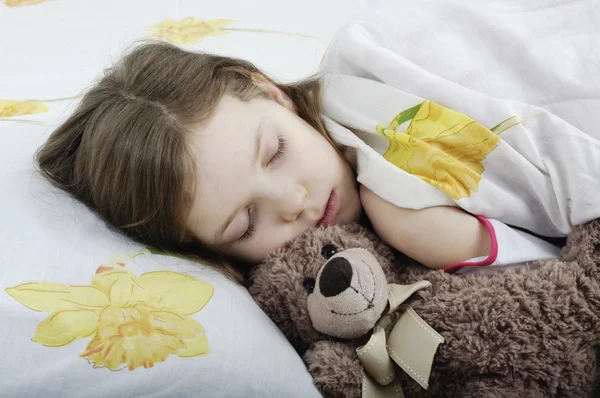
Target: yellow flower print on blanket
{"type": "Point", "coordinates": [440, 146]}
{"type": "Point", "coordinates": [133, 320]}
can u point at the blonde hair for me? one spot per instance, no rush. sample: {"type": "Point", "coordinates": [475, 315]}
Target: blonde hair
{"type": "Point", "coordinates": [125, 151]}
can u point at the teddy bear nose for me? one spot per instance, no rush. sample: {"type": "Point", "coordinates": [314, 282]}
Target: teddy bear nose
{"type": "Point", "coordinates": [336, 277]}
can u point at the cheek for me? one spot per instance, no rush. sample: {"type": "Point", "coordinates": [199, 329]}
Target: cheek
{"type": "Point", "coordinates": [314, 158]}
{"type": "Point", "coordinates": [266, 240]}
{"type": "Point", "coordinates": [306, 139]}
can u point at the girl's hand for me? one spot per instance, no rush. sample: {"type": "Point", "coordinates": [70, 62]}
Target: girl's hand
{"type": "Point", "coordinates": [436, 237]}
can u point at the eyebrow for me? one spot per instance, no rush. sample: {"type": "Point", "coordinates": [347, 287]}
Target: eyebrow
{"type": "Point", "coordinates": [257, 145]}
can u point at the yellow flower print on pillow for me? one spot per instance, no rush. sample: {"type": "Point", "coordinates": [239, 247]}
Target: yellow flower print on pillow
{"type": "Point", "coordinates": [187, 31]}
{"type": "Point", "coordinates": [20, 3]}
{"type": "Point", "coordinates": [133, 320]}
{"type": "Point", "coordinates": [442, 147]}
{"type": "Point", "coordinates": [10, 108]}
{"type": "Point", "coordinates": [192, 30]}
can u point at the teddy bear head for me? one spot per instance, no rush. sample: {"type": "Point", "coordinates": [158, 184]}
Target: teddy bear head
{"type": "Point", "coordinates": [327, 282]}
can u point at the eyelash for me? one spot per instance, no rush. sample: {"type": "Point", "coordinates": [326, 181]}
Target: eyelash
{"type": "Point", "coordinates": [280, 150]}
{"type": "Point", "coordinates": [251, 213]}
{"type": "Point", "coordinates": [251, 225]}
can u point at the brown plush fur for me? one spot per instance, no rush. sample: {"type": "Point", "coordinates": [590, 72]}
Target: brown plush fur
{"type": "Point", "coordinates": [530, 331]}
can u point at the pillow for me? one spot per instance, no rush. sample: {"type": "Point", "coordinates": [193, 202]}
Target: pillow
{"type": "Point", "coordinates": [85, 311]}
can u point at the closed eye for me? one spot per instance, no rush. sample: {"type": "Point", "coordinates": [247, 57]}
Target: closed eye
{"type": "Point", "coordinates": [282, 146]}
{"type": "Point", "coordinates": [251, 225]}
{"type": "Point", "coordinates": [278, 156]}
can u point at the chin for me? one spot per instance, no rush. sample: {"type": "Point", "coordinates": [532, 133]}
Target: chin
{"type": "Point", "coordinates": [357, 215]}
{"type": "Point", "coordinates": [352, 213]}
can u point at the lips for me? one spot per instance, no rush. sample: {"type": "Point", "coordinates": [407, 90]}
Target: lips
{"type": "Point", "coordinates": [330, 210]}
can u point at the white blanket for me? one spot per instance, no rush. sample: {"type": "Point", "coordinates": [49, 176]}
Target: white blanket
{"type": "Point", "coordinates": [493, 107]}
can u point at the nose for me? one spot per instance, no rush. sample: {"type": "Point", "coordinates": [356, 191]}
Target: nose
{"type": "Point", "coordinates": [292, 202]}
{"type": "Point", "coordinates": [336, 277]}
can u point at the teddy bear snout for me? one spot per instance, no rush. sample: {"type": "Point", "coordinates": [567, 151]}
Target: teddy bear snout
{"type": "Point", "coordinates": [350, 294]}
{"type": "Point", "coordinates": [336, 277]}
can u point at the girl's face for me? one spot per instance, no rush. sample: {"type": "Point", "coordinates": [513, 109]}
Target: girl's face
{"type": "Point", "coordinates": [264, 177]}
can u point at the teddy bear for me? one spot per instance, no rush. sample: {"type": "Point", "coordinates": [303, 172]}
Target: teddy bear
{"type": "Point", "coordinates": [527, 331]}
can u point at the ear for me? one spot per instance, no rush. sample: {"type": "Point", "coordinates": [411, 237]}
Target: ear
{"type": "Point", "coordinates": [273, 91]}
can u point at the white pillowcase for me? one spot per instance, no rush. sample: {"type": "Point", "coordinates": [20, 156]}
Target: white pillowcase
{"type": "Point", "coordinates": [48, 237]}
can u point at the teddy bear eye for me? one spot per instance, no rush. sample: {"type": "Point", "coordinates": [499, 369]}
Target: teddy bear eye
{"type": "Point", "coordinates": [309, 285]}
{"type": "Point", "coordinates": [328, 251]}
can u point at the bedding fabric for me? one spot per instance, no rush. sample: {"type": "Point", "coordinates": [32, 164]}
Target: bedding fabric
{"type": "Point", "coordinates": [85, 312]}
{"type": "Point", "coordinates": [453, 109]}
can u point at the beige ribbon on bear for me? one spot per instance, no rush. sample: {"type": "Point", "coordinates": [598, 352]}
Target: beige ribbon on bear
{"type": "Point", "coordinates": [402, 336]}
